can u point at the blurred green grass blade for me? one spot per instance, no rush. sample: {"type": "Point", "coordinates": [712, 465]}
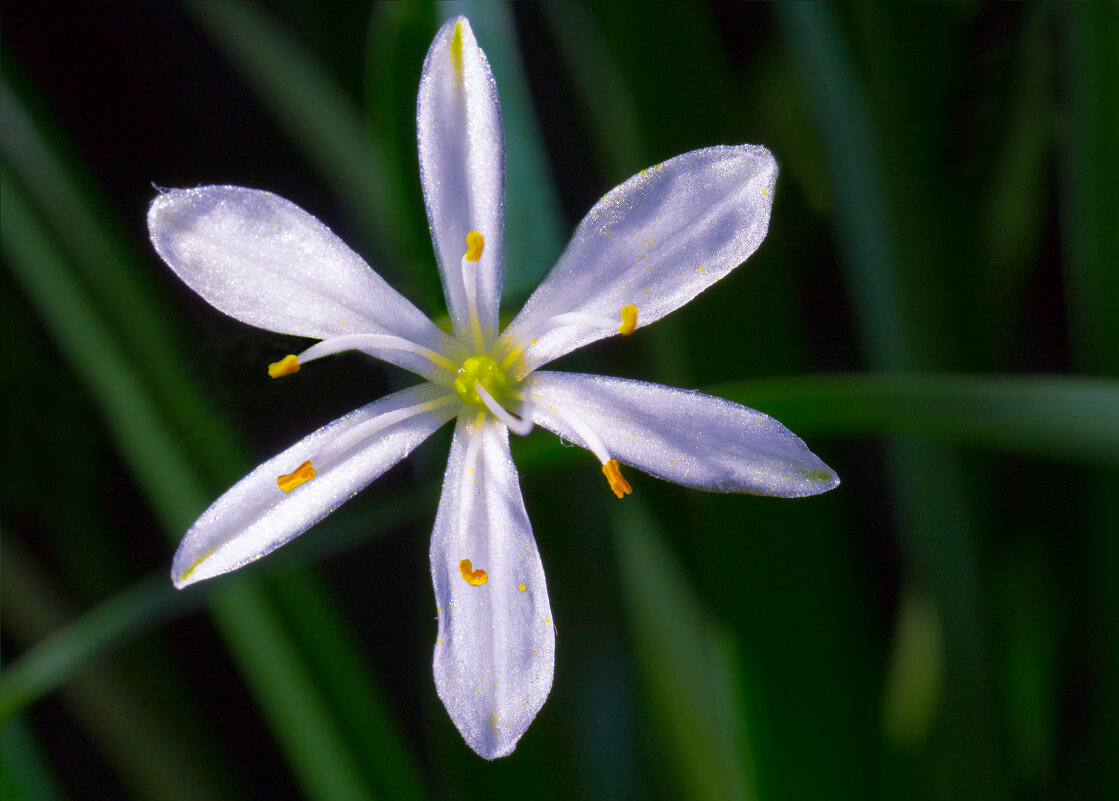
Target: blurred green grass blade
{"type": "Point", "coordinates": [153, 758]}
{"type": "Point", "coordinates": [326, 123]}
{"type": "Point", "coordinates": [608, 107]}
{"type": "Point", "coordinates": [1033, 606]}
{"type": "Point", "coordinates": [1090, 164]}
{"type": "Point", "coordinates": [397, 40]}
{"type": "Point", "coordinates": [362, 709]}
{"type": "Point", "coordinates": [689, 662]}
{"type": "Point", "coordinates": [1090, 222]}
{"type": "Point", "coordinates": [863, 222]}
{"type": "Point", "coordinates": [533, 233]}
{"type": "Point", "coordinates": [879, 135]}
{"type": "Point", "coordinates": [24, 773]}
{"type": "Point", "coordinates": [1016, 196]}
{"type": "Point", "coordinates": [55, 660]}
{"type": "Point", "coordinates": [145, 441]}
{"type": "Point", "coordinates": [1059, 417]}
{"type": "Point", "coordinates": [287, 694]}
{"type": "Point", "coordinates": [65, 653]}
{"type": "Point", "coordinates": [915, 675]}
{"type": "Point", "coordinates": [106, 268]}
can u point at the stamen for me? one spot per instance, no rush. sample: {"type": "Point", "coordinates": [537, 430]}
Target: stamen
{"type": "Point", "coordinates": [475, 577]}
{"type": "Point", "coordinates": [369, 342]}
{"type": "Point", "coordinates": [629, 320]}
{"type": "Point", "coordinates": [519, 426]}
{"type": "Point", "coordinates": [285, 366]}
{"type": "Point", "coordinates": [300, 475]}
{"type": "Point", "coordinates": [590, 439]}
{"type": "Point", "coordinates": [356, 436]}
{"type": "Point", "coordinates": [629, 323]}
{"type": "Point", "coordinates": [613, 474]}
{"type": "Point", "coordinates": [475, 244]}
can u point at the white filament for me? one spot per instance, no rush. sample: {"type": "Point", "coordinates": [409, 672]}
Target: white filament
{"type": "Point", "coordinates": [332, 450]}
{"type": "Point", "coordinates": [580, 427]}
{"type": "Point", "coordinates": [470, 286]}
{"type": "Point", "coordinates": [559, 321]}
{"type": "Point", "coordinates": [518, 425]}
{"type": "Point", "coordinates": [373, 342]}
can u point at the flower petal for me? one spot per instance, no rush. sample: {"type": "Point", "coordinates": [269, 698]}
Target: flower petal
{"type": "Point", "coordinates": [267, 262]}
{"type": "Point", "coordinates": [257, 516]}
{"type": "Point", "coordinates": [495, 652]}
{"type": "Point", "coordinates": [681, 436]}
{"type": "Point", "coordinates": [462, 169]}
{"type": "Point", "coordinates": [654, 242]}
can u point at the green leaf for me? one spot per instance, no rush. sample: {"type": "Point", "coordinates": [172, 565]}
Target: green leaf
{"type": "Point", "coordinates": [690, 665]}
{"type": "Point", "coordinates": [1059, 417]}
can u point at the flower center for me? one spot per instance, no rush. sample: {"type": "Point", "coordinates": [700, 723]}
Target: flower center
{"type": "Point", "coordinates": [484, 371]}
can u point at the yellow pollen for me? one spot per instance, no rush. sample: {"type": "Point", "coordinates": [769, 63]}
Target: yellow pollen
{"type": "Point", "coordinates": [629, 320]}
{"type": "Point", "coordinates": [475, 577]}
{"type": "Point", "coordinates": [474, 244]}
{"type": "Point", "coordinates": [456, 54]}
{"type": "Point", "coordinates": [300, 475]}
{"type": "Point", "coordinates": [613, 474]}
{"type": "Point", "coordinates": [522, 587]}
{"type": "Point", "coordinates": [285, 366]}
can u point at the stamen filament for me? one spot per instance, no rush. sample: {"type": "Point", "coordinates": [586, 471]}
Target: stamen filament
{"type": "Point", "coordinates": [518, 425]}
{"type": "Point", "coordinates": [475, 245]}
{"type": "Point", "coordinates": [628, 319]}
{"type": "Point", "coordinates": [590, 439]}
{"type": "Point", "coordinates": [335, 448]}
{"type": "Point", "coordinates": [374, 342]}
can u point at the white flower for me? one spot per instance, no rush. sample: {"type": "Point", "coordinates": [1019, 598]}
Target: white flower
{"type": "Point", "coordinates": [646, 248]}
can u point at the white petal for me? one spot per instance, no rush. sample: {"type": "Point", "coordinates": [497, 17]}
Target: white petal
{"type": "Point", "coordinates": [655, 242]}
{"type": "Point", "coordinates": [267, 262]}
{"type": "Point", "coordinates": [496, 648]}
{"type": "Point", "coordinates": [462, 168]}
{"type": "Point", "coordinates": [255, 517]}
{"type": "Point", "coordinates": [682, 436]}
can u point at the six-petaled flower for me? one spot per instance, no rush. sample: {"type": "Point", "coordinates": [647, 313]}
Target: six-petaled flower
{"type": "Point", "coordinates": [646, 248]}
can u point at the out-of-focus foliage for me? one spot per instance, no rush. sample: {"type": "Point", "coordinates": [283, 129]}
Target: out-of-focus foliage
{"type": "Point", "coordinates": [935, 309]}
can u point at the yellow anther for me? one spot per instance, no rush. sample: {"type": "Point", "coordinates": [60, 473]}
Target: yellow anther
{"type": "Point", "coordinates": [476, 577]}
{"type": "Point", "coordinates": [613, 474]}
{"type": "Point", "coordinates": [629, 320]}
{"type": "Point", "coordinates": [521, 587]}
{"type": "Point", "coordinates": [474, 244]}
{"type": "Point", "coordinates": [300, 475]}
{"type": "Point", "coordinates": [285, 366]}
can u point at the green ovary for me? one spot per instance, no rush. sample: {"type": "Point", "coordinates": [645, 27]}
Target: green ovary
{"type": "Point", "coordinates": [481, 370]}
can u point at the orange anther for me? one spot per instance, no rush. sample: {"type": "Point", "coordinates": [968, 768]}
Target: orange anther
{"type": "Point", "coordinates": [300, 475]}
{"type": "Point", "coordinates": [629, 320]}
{"type": "Point", "coordinates": [475, 242]}
{"type": "Point", "coordinates": [613, 474]}
{"type": "Point", "coordinates": [285, 366]}
{"type": "Point", "coordinates": [476, 577]}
